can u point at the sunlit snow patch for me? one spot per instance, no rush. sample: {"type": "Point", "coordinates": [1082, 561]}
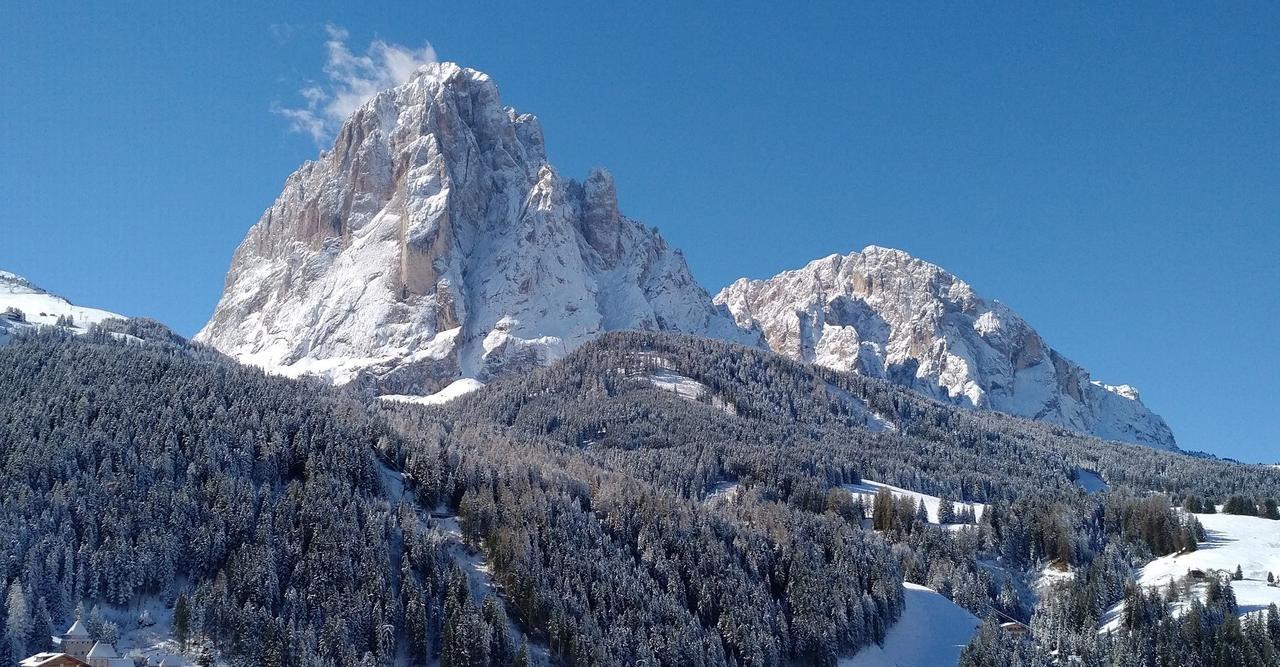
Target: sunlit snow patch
{"type": "Point", "coordinates": [868, 488]}
{"type": "Point", "coordinates": [874, 421]}
{"type": "Point", "coordinates": [687, 388]}
{"type": "Point", "coordinates": [679, 384]}
{"type": "Point", "coordinates": [25, 306]}
{"type": "Point", "coordinates": [932, 631]}
{"type": "Point", "coordinates": [1250, 542]}
{"type": "Point", "coordinates": [454, 390]}
{"type": "Point", "coordinates": [722, 493]}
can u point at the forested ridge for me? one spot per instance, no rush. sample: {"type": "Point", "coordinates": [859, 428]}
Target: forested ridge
{"type": "Point", "coordinates": [149, 467]}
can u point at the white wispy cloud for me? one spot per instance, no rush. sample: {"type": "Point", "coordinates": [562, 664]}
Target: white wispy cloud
{"type": "Point", "coordinates": [351, 79]}
{"type": "Point", "coordinates": [282, 32]}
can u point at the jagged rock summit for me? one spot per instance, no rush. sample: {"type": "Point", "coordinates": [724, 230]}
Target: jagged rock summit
{"type": "Point", "coordinates": [886, 314]}
{"type": "Point", "coordinates": [435, 242]}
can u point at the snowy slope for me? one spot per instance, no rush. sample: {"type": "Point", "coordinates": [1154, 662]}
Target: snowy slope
{"type": "Point", "coordinates": [1252, 543]}
{"type": "Point", "coordinates": [153, 639]}
{"type": "Point", "coordinates": [435, 242]}
{"type": "Point", "coordinates": [886, 314]}
{"type": "Point", "coordinates": [868, 489]}
{"type": "Point", "coordinates": [682, 386]}
{"type": "Point", "coordinates": [688, 389]}
{"type": "Point", "coordinates": [931, 632]}
{"type": "Point", "coordinates": [874, 421]}
{"type": "Point", "coordinates": [40, 308]}
{"type": "Point", "coordinates": [455, 389]}
{"type": "Point", "coordinates": [1090, 481]}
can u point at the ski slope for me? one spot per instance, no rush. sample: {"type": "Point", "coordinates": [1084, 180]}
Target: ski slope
{"type": "Point", "coordinates": [40, 308]}
{"type": "Point", "coordinates": [931, 633]}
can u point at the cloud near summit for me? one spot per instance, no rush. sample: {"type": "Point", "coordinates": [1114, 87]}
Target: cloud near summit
{"type": "Point", "coordinates": [351, 80]}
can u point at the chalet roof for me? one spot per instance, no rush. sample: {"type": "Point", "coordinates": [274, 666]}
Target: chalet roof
{"type": "Point", "coordinates": [102, 650]}
{"type": "Point", "coordinates": [76, 631]}
{"type": "Point", "coordinates": [173, 661]}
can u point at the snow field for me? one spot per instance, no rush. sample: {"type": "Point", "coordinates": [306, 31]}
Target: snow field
{"type": "Point", "coordinates": [1250, 542]}
{"type": "Point", "coordinates": [868, 489]}
{"type": "Point", "coordinates": [931, 632]}
{"type": "Point", "coordinates": [454, 389]}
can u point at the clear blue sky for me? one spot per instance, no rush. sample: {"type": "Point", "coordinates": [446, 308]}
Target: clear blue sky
{"type": "Point", "coordinates": [1113, 173]}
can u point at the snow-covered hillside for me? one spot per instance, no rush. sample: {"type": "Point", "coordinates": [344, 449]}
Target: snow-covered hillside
{"type": "Point", "coordinates": [24, 305]}
{"type": "Point", "coordinates": [688, 388]}
{"type": "Point", "coordinates": [435, 242]}
{"type": "Point", "coordinates": [1248, 542]}
{"type": "Point", "coordinates": [874, 421]}
{"type": "Point", "coordinates": [886, 314]}
{"type": "Point", "coordinates": [868, 489]}
{"type": "Point", "coordinates": [931, 632]}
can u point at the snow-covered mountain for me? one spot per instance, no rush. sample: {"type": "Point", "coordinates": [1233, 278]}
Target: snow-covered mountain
{"type": "Point", "coordinates": [24, 305]}
{"type": "Point", "coordinates": [435, 242]}
{"type": "Point", "coordinates": [884, 313]}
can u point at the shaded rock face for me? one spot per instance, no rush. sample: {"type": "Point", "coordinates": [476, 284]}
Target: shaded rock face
{"type": "Point", "coordinates": [886, 314]}
{"type": "Point", "coordinates": [434, 241]}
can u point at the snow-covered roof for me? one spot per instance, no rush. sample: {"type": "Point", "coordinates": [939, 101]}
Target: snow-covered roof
{"type": "Point", "coordinates": [41, 659]}
{"type": "Point", "coordinates": [102, 650]}
{"type": "Point", "coordinates": [76, 631]}
{"type": "Point", "coordinates": [174, 661]}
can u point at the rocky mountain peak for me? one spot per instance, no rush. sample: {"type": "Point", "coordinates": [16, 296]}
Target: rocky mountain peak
{"type": "Point", "coordinates": [434, 242]}
{"type": "Point", "coordinates": [883, 313]}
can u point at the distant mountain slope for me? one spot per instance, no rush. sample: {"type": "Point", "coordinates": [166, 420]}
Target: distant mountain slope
{"type": "Point", "coordinates": [24, 305]}
{"type": "Point", "coordinates": [604, 397]}
{"type": "Point", "coordinates": [435, 242]}
{"type": "Point", "coordinates": [886, 314]}
{"type": "Point", "coordinates": [731, 427]}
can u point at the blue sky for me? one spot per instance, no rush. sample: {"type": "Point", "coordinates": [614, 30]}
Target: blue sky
{"type": "Point", "coordinates": [1112, 173]}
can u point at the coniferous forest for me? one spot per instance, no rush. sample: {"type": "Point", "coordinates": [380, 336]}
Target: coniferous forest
{"type": "Point", "coordinates": [286, 522]}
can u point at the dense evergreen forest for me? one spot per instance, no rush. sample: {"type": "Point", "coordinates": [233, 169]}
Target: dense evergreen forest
{"type": "Point", "coordinates": [625, 524]}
